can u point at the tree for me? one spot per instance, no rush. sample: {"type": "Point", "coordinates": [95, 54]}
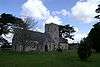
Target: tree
{"type": "Point", "coordinates": [31, 23]}
{"type": "Point", "coordinates": [21, 36]}
{"type": "Point", "coordinates": [98, 11]}
{"type": "Point", "coordinates": [84, 50]}
{"type": "Point", "coordinates": [94, 34]}
{"type": "Point", "coordinates": [9, 22]}
{"type": "Point", "coordinates": [66, 32]}
{"type": "Point", "coordinates": [94, 37]}
{"type": "Point", "coordinates": [3, 41]}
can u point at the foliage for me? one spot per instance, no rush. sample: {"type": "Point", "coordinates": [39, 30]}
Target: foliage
{"type": "Point", "coordinates": [8, 23]}
{"type": "Point", "coordinates": [59, 49]}
{"type": "Point", "coordinates": [6, 47]}
{"type": "Point", "coordinates": [20, 34]}
{"type": "Point", "coordinates": [98, 11]}
{"type": "Point", "coordinates": [3, 41]}
{"type": "Point", "coordinates": [94, 34]}
{"type": "Point", "coordinates": [66, 32]}
{"type": "Point", "coordinates": [84, 50]}
{"type": "Point", "coordinates": [31, 23]}
{"type": "Point", "coordinates": [94, 37]}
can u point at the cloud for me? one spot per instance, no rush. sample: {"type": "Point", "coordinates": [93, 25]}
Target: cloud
{"type": "Point", "coordinates": [54, 19]}
{"type": "Point", "coordinates": [84, 10]}
{"type": "Point", "coordinates": [76, 30]}
{"type": "Point", "coordinates": [63, 12]}
{"type": "Point", "coordinates": [37, 10]}
{"type": "Point", "coordinates": [78, 36]}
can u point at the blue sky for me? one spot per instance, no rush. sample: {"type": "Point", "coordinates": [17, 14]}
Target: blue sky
{"type": "Point", "coordinates": [59, 4]}
{"type": "Point", "coordinates": [77, 13]}
{"type": "Point", "coordinates": [11, 6]}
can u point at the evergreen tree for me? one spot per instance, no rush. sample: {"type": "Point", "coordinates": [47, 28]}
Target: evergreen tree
{"type": "Point", "coordinates": [84, 50]}
{"type": "Point", "coordinates": [94, 34]}
{"type": "Point", "coordinates": [8, 23]}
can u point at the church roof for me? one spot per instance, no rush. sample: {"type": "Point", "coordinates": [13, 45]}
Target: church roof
{"type": "Point", "coordinates": [29, 35]}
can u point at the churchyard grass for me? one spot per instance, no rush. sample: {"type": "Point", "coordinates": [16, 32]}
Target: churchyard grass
{"type": "Point", "coordinates": [47, 59]}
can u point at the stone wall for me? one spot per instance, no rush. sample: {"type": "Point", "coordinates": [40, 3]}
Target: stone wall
{"type": "Point", "coordinates": [24, 40]}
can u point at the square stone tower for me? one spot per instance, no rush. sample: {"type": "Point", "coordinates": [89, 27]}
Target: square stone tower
{"type": "Point", "coordinates": [52, 36]}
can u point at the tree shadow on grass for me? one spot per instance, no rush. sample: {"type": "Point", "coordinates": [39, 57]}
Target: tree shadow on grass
{"type": "Point", "coordinates": [76, 59]}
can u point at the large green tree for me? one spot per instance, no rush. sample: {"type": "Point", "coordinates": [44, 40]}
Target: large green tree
{"type": "Point", "coordinates": [94, 34]}
{"type": "Point", "coordinates": [8, 23]}
{"type": "Point", "coordinates": [84, 49]}
{"type": "Point", "coordinates": [66, 32]}
{"type": "Point", "coordinates": [94, 37]}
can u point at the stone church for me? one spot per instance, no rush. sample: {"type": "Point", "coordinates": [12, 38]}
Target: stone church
{"type": "Point", "coordinates": [26, 40]}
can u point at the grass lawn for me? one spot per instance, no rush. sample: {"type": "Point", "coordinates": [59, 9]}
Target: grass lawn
{"type": "Point", "coordinates": [50, 59]}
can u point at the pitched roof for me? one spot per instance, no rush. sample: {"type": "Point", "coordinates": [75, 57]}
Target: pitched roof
{"type": "Point", "coordinates": [29, 35]}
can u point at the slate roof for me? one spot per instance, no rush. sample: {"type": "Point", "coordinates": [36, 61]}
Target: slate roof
{"type": "Point", "coordinates": [22, 34]}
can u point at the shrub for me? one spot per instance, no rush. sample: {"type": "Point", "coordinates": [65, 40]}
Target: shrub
{"type": "Point", "coordinates": [84, 50]}
{"type": "Point", "coordinates": [59, 49]}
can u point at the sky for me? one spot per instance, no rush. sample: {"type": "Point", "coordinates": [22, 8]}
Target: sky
{"type": "Point", "coordinates": [78, 13]}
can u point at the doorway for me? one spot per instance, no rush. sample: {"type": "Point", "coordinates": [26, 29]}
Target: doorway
{"type": "Point", "coordinates": [46, 48]}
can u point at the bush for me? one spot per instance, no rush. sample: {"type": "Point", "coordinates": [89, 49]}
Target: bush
{"type": "Point", "coordinates": [59, 49]}
{"type": "Point", "coordinates": [84, 50]}
{"type": "Point", "coordinates": [6, 47]}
